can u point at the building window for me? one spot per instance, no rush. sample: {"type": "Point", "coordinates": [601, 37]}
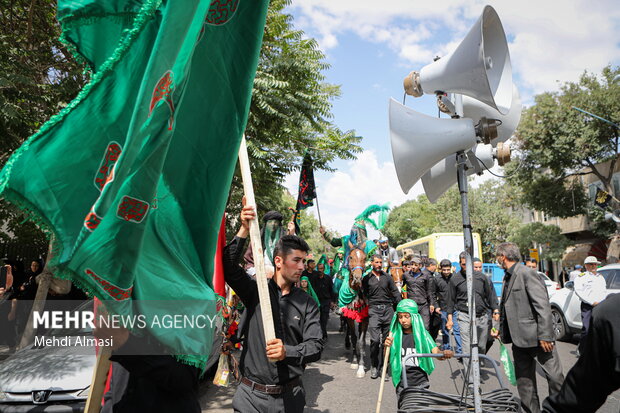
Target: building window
{"type": "Point", "coordinates": [616, 184]}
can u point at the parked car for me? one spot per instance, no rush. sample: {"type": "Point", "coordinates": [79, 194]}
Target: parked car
{"type": "Point", "coordinates": [41, 378]}
{"type": "Point", "coordinates": [566, 306]}
{"type": "Point", "coordinates": [552, 286]}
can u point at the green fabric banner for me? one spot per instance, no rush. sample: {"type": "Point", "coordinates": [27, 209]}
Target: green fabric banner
{"type": "Point", "coordinates": [132, 177]}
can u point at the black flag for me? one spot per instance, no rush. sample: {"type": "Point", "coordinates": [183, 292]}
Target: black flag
{"type": "Point", "coordinates": [307, 190]}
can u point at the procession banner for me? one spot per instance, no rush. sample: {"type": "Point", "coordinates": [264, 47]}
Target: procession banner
{"type": "Point", "coordinates": [307, 190]}
{"type": "Point", "coordinates": [132, 176]}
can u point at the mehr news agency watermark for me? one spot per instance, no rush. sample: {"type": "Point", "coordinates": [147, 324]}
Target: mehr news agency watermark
{"type": "Point", "coordinates": [74, 327]}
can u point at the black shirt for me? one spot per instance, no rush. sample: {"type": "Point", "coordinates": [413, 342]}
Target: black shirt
{"type": "Point", "coordinates": [380, 290]}
{"type": "Point", "coordinates": [484, 294]}
{"type": "Point", "coordinates": [296, 320]}
{"type": "Point", "coordinates": [442, 289]}
{"type": "Point", "coordinates": [505, 329]}
{"type": "Point", "coordinates": [419, 287]}
{"type": "Point", "coordinates": [416, 377]}
{"type": "Point", "coordinates": [153, 383]}
{"type": "Point", "coordinates": [309, 274]}
{"type": "Point", "coordinates": [323, 286]}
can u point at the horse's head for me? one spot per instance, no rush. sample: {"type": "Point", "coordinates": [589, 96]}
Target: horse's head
{"type": "Point", "coordinates": [357, 259]}
{"type": "Point", "coordinates": [397, 274]}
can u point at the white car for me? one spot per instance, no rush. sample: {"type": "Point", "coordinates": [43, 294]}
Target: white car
{"type": "Point", "coordinates": [566, 306]}
{"type": "Point", "coordinates": [552, 286]}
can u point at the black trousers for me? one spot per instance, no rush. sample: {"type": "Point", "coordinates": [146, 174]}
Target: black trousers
{"type": "Point", "coordinates": [586, 316]}
{"type": "Point", "coordinates": [324, 311]}
{"type": "Point", "coordinates": [425, 311]}
{"type": "Point", "coordinates": [247, 400]}
{"type": "Point", "coordinates": [434, 325]}
{"type": "Point", "coordinates": [379, 319]}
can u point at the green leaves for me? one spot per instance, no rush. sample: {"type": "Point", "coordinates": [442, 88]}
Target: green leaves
{"type": "Point", "coordinates": [490, 215]}
{"type": "Point", "coordinates": [555, 143]}
{"type": "Point", "coordinates": [548, 238]}
{"type": "Point", "coordinates": [292, 104]}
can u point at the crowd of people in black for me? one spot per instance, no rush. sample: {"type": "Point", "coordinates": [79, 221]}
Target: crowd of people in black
{"type": "Point", "coordinates": [432, 297]}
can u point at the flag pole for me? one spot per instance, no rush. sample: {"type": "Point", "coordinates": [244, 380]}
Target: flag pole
{"type": "Point", "coordinates": [386, 362]}
{"type": "Point", "coordinates": [257, 247]}
{"type": "Point", "coordinates": [318, 211]}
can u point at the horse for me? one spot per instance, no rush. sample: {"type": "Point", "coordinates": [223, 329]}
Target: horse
{"type": "Point", "coordinates": [397, 274]}
{"type": "Point", "coordinates": [356, 311]}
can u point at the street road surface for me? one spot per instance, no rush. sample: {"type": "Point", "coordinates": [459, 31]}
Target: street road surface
{"type": "Point", "coordinates": [331, 386]}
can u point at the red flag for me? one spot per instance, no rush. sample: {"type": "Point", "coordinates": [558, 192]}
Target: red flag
{"type": "Point", "coordinates": [219, 286]}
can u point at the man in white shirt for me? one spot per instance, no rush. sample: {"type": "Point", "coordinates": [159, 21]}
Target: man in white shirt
{"type": "Point", "coordinates": [591, 289]}
{"type": "Point", "coordinates": [573, 274]}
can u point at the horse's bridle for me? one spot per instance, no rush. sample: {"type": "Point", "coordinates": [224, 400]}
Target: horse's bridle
{"type": "Point", "coordinates": [359, 267]}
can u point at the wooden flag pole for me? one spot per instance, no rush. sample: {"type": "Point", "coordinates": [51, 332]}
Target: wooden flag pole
{"type": "Point", "coordinates": [257, 247]}
{"type": "Point", "coordinates": [318, 211]}
{"type": "Point", "coordinates": [386, 361]}
{"type": "Point", "coordinates": [97, 384]}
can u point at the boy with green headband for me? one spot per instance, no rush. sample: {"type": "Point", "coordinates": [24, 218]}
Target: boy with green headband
{"type": "Point", "coordinates": [408, 336]}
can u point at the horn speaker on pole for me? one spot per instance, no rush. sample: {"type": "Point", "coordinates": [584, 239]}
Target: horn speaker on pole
{"type": "Point", "coordinates": [420, 141]}
{"type": "Point", "coordinates": [443, 175]}
{"type": "Point", "coordinates": [476, 110]}
{"type": "Point", "coordinates": [479, 67]}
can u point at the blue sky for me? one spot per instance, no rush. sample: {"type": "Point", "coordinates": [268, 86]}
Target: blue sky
{"type": "Point", "coordinates": [372, 46]}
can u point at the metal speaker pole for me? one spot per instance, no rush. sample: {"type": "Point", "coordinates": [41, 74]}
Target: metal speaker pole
{"type": "Point", "coordinates": [474, 371]}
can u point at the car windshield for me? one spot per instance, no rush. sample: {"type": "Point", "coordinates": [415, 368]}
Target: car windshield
{"type": "Point", "coordinates": [544, 276]}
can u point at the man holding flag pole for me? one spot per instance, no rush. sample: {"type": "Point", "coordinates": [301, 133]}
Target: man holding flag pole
{"type": "Point", "coordinates": [272, 368]}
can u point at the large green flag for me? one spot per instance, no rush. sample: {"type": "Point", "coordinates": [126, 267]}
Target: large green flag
{"type": "Point", "coordinates": [132, 177]}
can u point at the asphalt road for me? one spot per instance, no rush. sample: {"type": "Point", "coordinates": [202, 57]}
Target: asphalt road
{"type": "Point", "coordinates": [331, 386]}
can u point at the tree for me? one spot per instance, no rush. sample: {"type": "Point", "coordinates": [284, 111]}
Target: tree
{"type": "Point", "coordinates": [410, 220]}
{"type": "Point", "coordinates": [490, 213]}
{"type": "Point", "coordinates": [547, 238]}
{"type": "Point", "coordinates": [309, 229]}
{"type": "Point", "coordinates": [555, 143]}
{"type": "Point", "coordinates": [37, 78]}
{"type": "Point", "coordinates": [290, 109]}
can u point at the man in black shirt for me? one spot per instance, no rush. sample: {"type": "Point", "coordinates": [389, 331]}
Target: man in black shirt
{"type": "Point", "coordinates": [419, 289]}
{"type": "Point", "coordinates": [445, 304]}
{"type": "Point", "coordinates": [271, 371]}
{"type": "Point", "coordinates": [324, 289]}
{"type": "Point", "coordinates": [434, 324]}
{"type": "Point", "coordinates": [310, 270]}
{"type": "Point", "coordinates": [382, 296]}
{"type": "Point", "coordinates": [485, 300]}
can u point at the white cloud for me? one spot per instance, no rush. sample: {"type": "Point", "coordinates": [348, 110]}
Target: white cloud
{"type": "Point", "coordinates": [551, 41]}
{"type": "Point", "coordinates": [343, 195]}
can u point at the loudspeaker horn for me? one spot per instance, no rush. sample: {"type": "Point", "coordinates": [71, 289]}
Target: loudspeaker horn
{"type": "Point", "coordinates": [479, 67]}
{"type": "Point", "coordinates": [420, 141]}
{"type": "Point", "coordinates": [443, 175]}
{"type": "Point", "coordinates": [476, 110]}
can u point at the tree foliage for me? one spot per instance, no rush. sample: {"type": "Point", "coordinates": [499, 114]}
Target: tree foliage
{"type": "Point", "coordinates": [490, 213]}
{"type": "Point", "coordinates": [290, 113]}
{"type": "Point", "coordinates": [37, 79]}
{"type": "Point", "coordinates": [290, 109]}
{"type": "Point", "coordinates": [547, 238]}
{"type": "Point", "coordinates": [555, 143]}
